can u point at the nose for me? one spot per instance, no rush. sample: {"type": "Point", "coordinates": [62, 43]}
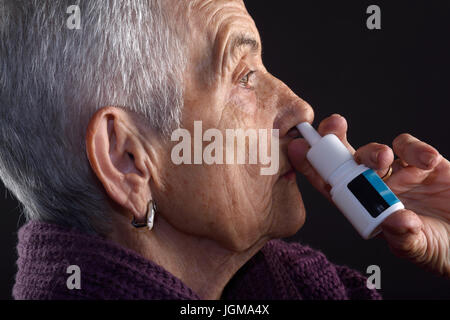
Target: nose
{"type": "Point", "coordinates": [290, 108]}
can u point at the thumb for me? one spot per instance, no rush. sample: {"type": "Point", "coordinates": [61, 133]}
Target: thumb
{"type": "Point", "coordinates": [402, 231]}
{"type": "Point", "coordinates": [297, 150]}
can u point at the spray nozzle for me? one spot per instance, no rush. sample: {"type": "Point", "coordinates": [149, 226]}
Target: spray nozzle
{"type": "Point", "coordinates": [309, 133]}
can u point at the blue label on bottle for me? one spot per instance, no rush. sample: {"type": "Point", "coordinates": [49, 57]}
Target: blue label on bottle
{"type": "Point", "coordinates": [372, 192]}
{"type": "Point", "coordinates": [381, 187]}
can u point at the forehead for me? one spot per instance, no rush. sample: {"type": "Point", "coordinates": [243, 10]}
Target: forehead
{"type": "Point", "coordinates": [211, 6]}
{"type": "Point", "coordinates": [220, 18]}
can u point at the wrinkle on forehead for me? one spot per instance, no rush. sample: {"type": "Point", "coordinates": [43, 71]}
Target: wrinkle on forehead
{"type": "Point", "coordinates": [209, 14]}
{"type": "Point", "coordinates": [220, 20]}
{"type": "Point", "coordinates": [206, 4]}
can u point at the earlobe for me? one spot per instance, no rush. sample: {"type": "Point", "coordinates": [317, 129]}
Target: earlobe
{"type": "Point", "coordinates": [117, 157]}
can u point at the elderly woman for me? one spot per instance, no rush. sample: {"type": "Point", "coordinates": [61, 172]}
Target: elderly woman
{"type": "Point", "coordinates": [87, 117]}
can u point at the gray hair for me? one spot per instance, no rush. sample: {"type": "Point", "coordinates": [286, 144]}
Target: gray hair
{"type": "Point", "coordinates": [52, 79]}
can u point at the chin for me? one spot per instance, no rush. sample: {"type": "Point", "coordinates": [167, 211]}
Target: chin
{"type": "Point", "coordinates": [289, 212]}
{"type": "Point", "coordinates": [296, 221]}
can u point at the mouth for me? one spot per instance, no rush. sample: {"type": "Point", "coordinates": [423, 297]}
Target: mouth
{"type": "Point", "coordinates": [293, 133]}
{"type": "Point", "coordinates": [289, 174]}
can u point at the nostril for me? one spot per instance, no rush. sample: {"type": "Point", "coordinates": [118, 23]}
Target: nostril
{"type": "Point", "coordinates": [293, 133]}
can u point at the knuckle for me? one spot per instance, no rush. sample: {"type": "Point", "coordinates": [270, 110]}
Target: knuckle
{"type": "Point", "coordinates": [406, 247]}
{"type": "Point", "coordinates": [338, 117]}
{"type": "Point", "coordinates": [386, 149]}
{"type": "Point", "coordinates": [378, 146]}
{"type": "Point", "coordinates": [375, 147]}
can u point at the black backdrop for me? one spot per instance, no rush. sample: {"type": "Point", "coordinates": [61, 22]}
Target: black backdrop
{"type": "Point", "coordinates": [384, 82]}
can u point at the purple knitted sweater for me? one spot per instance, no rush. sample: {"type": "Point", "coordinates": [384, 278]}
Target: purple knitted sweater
{"type": "Point", "coordinates": [278, 271]}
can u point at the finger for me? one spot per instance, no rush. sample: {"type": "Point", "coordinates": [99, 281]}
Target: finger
{"type": "Point", "coordinates": [415, 152]}
{"type": "Point", "coordinates": [336, 124]}
{"type": "Point", "coordinates": [398, 164]}
{"type": "Point", "coordinates": [402, 222]}
{"type": "Point", "coordinates": [376, 156]}
{"type": "Point", "coordinates": [297, 150]}
{"type": "Point", "coordinates": [402, 231]}
{"type": "Point", "coordinates": [407, 178]}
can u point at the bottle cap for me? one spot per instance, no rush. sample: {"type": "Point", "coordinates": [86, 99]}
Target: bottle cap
{"type": "Point", "coordinates": [327, 153]}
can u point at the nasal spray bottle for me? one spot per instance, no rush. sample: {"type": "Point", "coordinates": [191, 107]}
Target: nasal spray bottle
{"type": "Point", "coordinates": [357, 191]}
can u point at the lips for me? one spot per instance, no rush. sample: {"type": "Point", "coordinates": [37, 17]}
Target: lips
{"type": "Point", "coordinates": [293, 133]}
{"type": "Point", "coordinates": [288, 173]}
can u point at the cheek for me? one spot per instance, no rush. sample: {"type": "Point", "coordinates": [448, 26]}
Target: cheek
{"type": "Point", "coordinates": [253, 196]}
{"type": "Point", "coordinates": [244, 100]}
{"type": "Point", "coordinates": [192, 200]}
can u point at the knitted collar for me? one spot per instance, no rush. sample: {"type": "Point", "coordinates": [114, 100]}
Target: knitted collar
{"type": "Point", "coordinates": [109, 271]}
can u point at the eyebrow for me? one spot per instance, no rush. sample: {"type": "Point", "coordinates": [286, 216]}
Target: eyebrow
{"type": "Point", "coordinates": [237, 41]}
{"type": "Point", "coordinates": [243, 41]}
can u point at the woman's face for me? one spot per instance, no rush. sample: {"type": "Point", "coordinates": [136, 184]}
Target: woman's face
{"type": "Point", "coordinates": [227, 87]}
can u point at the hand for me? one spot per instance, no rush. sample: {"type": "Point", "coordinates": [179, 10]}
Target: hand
{"type": "Point", "coordinates": [420, 179]}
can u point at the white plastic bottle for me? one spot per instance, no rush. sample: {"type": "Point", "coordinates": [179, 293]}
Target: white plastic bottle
{"type": "Point", "coordinates": [357, 191]}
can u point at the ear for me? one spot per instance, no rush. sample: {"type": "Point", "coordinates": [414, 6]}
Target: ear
{"type": "Point", "coordinates": [119, 159]}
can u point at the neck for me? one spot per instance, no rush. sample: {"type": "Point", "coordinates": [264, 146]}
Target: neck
{"type": "Point", "coordinates": [202, 264]}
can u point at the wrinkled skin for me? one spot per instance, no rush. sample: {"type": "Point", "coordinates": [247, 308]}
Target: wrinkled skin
{"type": "Point", "coordinates": [234, 204]}
{"type": "Point", "coordinates": [212, 218]}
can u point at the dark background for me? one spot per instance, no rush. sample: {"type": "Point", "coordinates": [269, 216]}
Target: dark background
{"type": "Point", "coordinates": [384, 82]}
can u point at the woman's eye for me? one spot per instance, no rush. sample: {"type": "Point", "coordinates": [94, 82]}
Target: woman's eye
{"type": "Point", "coordinates": [245, 80]}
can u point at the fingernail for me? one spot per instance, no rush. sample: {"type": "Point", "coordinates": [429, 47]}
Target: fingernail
{"type": "Point", "coordinates": [427, 159]}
